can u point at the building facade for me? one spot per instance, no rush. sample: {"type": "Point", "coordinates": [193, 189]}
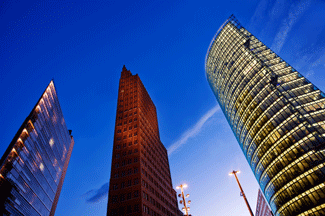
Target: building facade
{"type": "Point", "coordinates": [35, 163]}
{"type": "Point", "coordinates": [277, 116]}
{"type": "Point", "coordinates": [140, 182]}
{"type": "Point", "coordinates": [262, 208]}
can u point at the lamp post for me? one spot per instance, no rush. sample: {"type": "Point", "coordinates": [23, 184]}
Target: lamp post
{"type": "Point", "coordinates": [242, 191]}
{"type": "Point", "coordinates": [185, 208]}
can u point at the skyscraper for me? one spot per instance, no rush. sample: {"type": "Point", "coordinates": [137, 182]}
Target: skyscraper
{"type": "Point", "coordinates": [262, 209]}
{"type": "Point", "coordinates": [140, 182]}
{"type": "Point", "coordinates": [35, 163]}
{"type": "Point", "coordinates": [277, 116]}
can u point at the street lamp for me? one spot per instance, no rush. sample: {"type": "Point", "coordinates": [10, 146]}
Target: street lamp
{"type": "Point", "coordinates": [242, 191]}
{"type": "Point", "coordinates": [185, 208]}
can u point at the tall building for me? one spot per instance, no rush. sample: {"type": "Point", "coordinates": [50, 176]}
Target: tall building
{"type": "Point", "coordinates": [140, 182]}
{"type": "Point", "coordinates": [34, 165]}
{"type": "Point", "coordinates": [262, 208]}
{"type": "Point", "coordinates": [277, 116]}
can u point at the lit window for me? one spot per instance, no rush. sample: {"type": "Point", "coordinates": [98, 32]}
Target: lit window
{"type": "Point", "coordinates": [41, 166]}
{"type": "Point", "coordinates": [51, 142]}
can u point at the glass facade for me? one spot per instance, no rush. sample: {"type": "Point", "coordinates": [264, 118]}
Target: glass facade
{"type": "Point", "coordinates": [34, 165]}
{"type": "Point", "coordinates": [262, 209]}
{"type": "Point", "coordinates": [277, 116]}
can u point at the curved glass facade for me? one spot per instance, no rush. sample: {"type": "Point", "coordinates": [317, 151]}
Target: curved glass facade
{"type": "Point", "coordinates": [277, 116]}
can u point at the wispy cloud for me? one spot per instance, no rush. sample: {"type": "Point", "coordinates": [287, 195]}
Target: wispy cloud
{"type": "Point", "coordinates": [96, 195]}
{"type": "Point", "coordinates": [258, 15]}
{"type": "Point", "coordinates": [192, 132]}
{"type": "Point", "coordinates": [295, 11]}
{"type": "Point", "coordinates": [320, 60]}
{"type": "Point", "coordinates": [310, 74]}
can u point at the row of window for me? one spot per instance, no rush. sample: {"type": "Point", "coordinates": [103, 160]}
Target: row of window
{"type": "Point", "coordinates": [163, 179]}
{"type": "Point", "coordinates": [125, 153]}
{"type": "Point", "coordinates": [124, 145]}
{"type": "Point", "coordinates": [150, 144]}
{"type": "Point", "coordinates": [126, 115]}
{"type": "Point", "coordinates": [159, 196]}
{"type": "Point", "coordinates": [130, 128]}
{"type": "Point", "coordinates": [151, 212]}
{"type": "Point", "coordinates": [126, 162]}
{"type": "Point", "coordinates": [123, 184]}
{"type": "Point", "coordinates": [126, 172]}
{"type": "Point", "coordinates": [122, 210]}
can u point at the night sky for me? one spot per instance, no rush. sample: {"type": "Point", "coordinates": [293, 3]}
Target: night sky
{"type": "Point", "coordinates": [83, 46]}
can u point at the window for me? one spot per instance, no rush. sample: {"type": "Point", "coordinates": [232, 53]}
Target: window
{"type": "Point", "coordinates": [145, 209]}
{"type": "Point", "coordinates": [130, 143]}
{"type": "Point", "coordinates": [135, 159]}
{"type": "Point", "coordinates": [115, 187]}
{"type": "Point", "coordinates": [116, 165]}
{"type": "Point", "coordinates": [129, 183]}
{"type": "Point", "coordinates": [136, 206]}
{"type": "Point", "coordinates": [135, 170]}
{"type": "Point", "coordinates": [124, 129]}
{"type": "Point", "coordinates": [128, 196]}
{"type": "Point", "coordinates": [119, 131]}
{"type": "Point", "coordinates": [122, 197]}
{"type": "Point", "coordinates": [136, 181]}
{"type": "Point", "coordinates": [114, 199]}
{"type": "Point", "coordinates": [136, 193]}
{"type": "Point", "coordinates": [129, 208]}
{"type": "Point", "coordinates": [123, 185]}
{"type": "Point", "coordinates": [116, 175]}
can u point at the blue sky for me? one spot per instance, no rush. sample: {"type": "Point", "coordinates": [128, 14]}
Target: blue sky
{"type": "Point", "coordinates": [83, 46]}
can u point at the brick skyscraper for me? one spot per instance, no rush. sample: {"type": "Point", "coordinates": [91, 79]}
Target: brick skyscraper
{"type": "Point", "coordinates": [140, 182]}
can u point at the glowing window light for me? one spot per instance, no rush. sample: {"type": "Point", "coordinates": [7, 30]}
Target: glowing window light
{"type": "Point", "coordinates": [51, 142]}
{"type": "Point", "coordinates": [41, 166]}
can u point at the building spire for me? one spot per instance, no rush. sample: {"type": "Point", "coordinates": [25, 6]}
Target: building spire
{"type": "Point", "coordinates": [126, 72]}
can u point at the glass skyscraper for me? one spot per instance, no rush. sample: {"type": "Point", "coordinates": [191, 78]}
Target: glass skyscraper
{"type": "Point", "coordinates": [277, 116]}
{"type": "Point", "coordinates": [34, 165]}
